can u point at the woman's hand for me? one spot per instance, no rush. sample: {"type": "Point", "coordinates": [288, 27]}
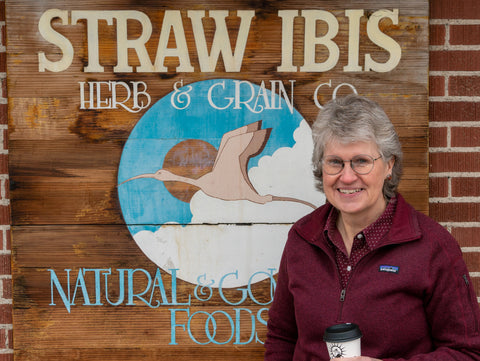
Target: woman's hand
{"type": "Point", "coordinates": [358, 358]}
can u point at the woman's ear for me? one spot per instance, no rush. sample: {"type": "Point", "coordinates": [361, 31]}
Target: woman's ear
{"type": "Point", "coordinates": [390, 164]}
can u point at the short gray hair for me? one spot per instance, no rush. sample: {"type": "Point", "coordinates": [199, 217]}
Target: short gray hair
{"type": "Point", "coordinates": [352, 119]}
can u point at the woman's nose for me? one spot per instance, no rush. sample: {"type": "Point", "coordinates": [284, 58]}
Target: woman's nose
{"type": "Point", "coordinates": [348, 174]}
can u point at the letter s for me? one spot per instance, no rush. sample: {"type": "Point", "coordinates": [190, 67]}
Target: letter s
{"type": "Point", "coordinates": [383, 41]}
{"type": "Point", "coordinates": [46, 30]}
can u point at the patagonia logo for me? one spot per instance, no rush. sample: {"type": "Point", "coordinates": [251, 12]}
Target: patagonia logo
{"type": "Point", "coordinates": [389, 269]}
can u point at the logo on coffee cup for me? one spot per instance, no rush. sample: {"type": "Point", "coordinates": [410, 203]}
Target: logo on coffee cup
{"type": "Point", "coordinates": [337, 350]}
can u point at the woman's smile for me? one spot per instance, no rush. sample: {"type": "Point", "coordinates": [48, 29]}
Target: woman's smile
{"type": "Point", "coordinates": [349, 191]}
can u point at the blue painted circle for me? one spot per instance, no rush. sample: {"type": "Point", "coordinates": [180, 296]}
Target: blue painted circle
{"type": "Point", "coordinates": [145, 203]}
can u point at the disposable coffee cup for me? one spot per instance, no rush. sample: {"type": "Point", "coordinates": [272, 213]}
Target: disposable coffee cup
{"type": "Point", "coordinates": [343, 340]}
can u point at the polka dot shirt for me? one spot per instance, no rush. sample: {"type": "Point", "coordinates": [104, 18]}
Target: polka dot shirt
{"type": "Point", "coordinates": [363, 242]}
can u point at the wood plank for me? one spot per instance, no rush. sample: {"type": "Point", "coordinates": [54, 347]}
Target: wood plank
{"type": "Point", "coordinates": [138, 327]}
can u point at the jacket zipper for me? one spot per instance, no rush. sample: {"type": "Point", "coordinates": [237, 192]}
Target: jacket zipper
{"type": "Point", "coordinates": [342, 300]}
{"type": "Point", "coordinates": [343, 292]}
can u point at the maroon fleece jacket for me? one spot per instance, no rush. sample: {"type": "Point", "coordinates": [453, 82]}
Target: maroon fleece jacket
{"type": "Point", "coordinates": [411, 296]}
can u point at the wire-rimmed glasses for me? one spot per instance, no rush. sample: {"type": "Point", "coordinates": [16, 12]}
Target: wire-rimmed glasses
{"type": "Point", "coordinates": [361, 164]}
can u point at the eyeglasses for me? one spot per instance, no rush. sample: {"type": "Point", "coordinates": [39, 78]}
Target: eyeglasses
{"type": "Point", "coordinates": [361, 164]}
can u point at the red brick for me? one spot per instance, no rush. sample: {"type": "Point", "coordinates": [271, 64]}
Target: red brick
{"type": "Point", "coordinates": [466, 187]}
{"type": "Point", "coordinates": [472, 259]}
{"type": "Point", "coordinates": [438, 137]}
{"type": "Point", "coordinates": [437, 86]}
{"type": "Point", "coordinates": [5, 214]}
{"type": "Point", "coordinates": [5, 314]}
{"type": "Point", "coordinates": [1, 242]}
{"type": "Point", "coordinates": [6, 357]}
{"type": "Point", "coordinates": [3, 338]}
{"type": "Point", "coordinates": [5, 264]}
{"type": "Point", "coordinates": [437, 34]}
{"type": "Point", "coordinates": [438, 187]}
{"type": "Point", "coordinates": [3, 62]}
{"type": "Point", "coordinates": [464, 35]}
{"type": "Point", "coordinates": [464, 86]}
{"type": "Point", "coordinates": [467, 236]}
{"type": "Point", "coordinates": [3, 30]}
{"type": "Point", "coordinates": [2, 11]}
{"type": "Point", "coordinates": [448, 9]}
{"type": "Point", "coordinates": [454, 60]}
{"type": "Point", "coordinates": [465, 137]}
{"type": "Point", "coordinates": [454, 111]}
{"type": "Point", "coordinates": [455, 212]}
{"type": "Point", "coordinates": [454, 162]}
{"type": "Point", "coordinates": [3, 163]}
{"type": "Point", "coordinates": [7, 289]}
{"type": "Point", "coordinates": [3, 114]}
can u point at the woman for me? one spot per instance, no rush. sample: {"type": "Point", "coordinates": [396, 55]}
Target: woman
{"type": "Point", "coordinates": [368, 257]}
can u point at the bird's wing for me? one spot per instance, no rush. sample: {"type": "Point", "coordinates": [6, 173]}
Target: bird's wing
{"type": "Point", "coordinates": [233, 133]}
{"type": "Point", "coordinates": [255, 146]}
{"type": "Point", "coordinates": [233, 160]}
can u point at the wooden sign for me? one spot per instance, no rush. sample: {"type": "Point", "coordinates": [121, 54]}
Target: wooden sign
{"type": "Point", "coordinates": [160, 152]}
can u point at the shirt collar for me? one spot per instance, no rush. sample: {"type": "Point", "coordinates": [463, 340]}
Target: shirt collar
{"type": "Point", "coordinates": [372, 234]}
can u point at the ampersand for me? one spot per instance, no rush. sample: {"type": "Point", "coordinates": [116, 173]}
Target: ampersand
{"type": "Point", "coordinates": [180, 98]}
{"type": "Point", "coordinates": [204, 289]}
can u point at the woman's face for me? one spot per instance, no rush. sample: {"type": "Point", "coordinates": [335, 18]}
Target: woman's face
{"type": "Point", "coordinates": [355, 194]}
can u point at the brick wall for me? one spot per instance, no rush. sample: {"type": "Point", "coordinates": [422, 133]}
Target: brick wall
{"type": "Point", "coordinates": [454, 141]}
{"type": "Point", "coordinates": [6, 339]}
{"type": "Point", "coordinates": [455, 124]}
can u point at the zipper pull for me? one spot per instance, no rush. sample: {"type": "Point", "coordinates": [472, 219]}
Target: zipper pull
{"type": "Point", "coordinates": [342, 295]}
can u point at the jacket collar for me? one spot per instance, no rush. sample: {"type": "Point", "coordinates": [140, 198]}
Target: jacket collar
{"type": "Point", "coordinates": [405, 227]}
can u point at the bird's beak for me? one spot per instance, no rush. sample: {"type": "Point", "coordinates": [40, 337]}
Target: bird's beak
{"type": "Point", "coordinates": [147, 175]}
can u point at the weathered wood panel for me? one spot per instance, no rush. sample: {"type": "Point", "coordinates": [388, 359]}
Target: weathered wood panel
{"type": "Point", "coordinates": [92, 256]}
